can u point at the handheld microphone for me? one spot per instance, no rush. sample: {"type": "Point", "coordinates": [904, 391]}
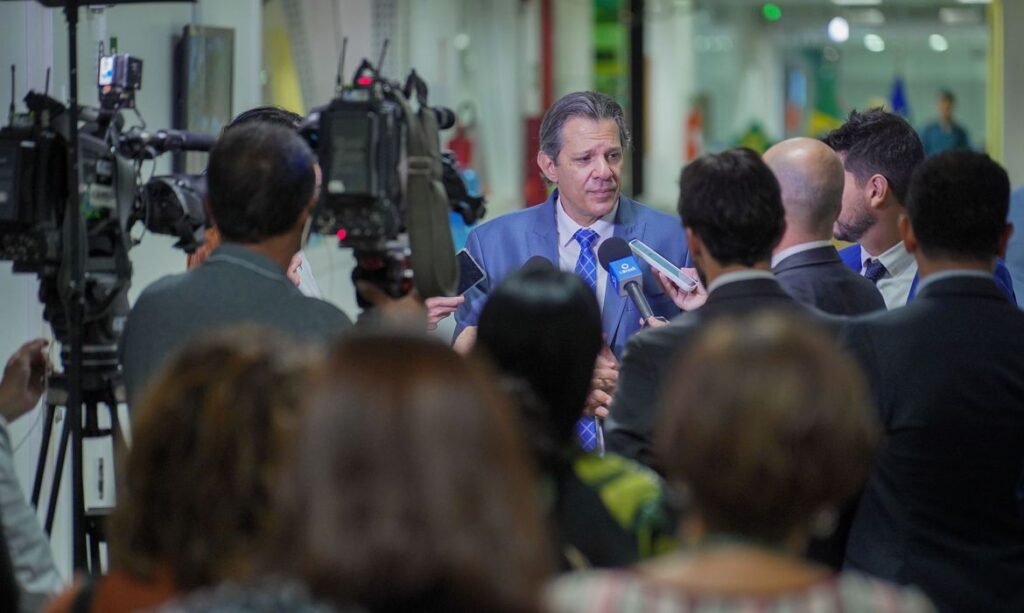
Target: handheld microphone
{"type": "Point", "coordinates": [624, 271]}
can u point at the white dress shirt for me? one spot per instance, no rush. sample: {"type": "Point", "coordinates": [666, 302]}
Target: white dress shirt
{"type": "Point", "coordinates": [569, 249]}
{"type": "Point", "coordinates": [901, 268]}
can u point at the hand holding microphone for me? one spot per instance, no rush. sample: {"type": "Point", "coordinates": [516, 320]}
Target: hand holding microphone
{"type": "Point", "coordinates": [625, 274]}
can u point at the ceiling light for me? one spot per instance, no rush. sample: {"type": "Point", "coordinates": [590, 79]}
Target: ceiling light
{"type": "Point", "coordinates": [874, 42]}
{"type": "Point", "coordinates": [938, 43]}
{"type": "Point", "coordinates": [839, 30]}
{"type": "Point", "coordinates": [974, 1]}
{"type": "Point", "coordinates": [856, 2]}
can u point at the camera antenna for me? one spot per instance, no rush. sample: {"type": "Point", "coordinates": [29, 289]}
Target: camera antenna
{"type": "Point", "coordinates": [10, 113]}
{"type": "Point", "coordinates": [383, 54]}
{"type": "Point", "coordinates": [341, 64]}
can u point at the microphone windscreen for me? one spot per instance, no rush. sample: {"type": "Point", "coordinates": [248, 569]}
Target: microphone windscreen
{"type": "Point", "coordinates": [613, 249]}
{"type": "Point", "coordinates": [538, 262]}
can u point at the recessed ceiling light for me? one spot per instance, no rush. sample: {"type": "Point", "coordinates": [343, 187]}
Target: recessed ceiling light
{"type": "Point", "coordinates": [938, 43]}
{"type": "Point", "coordinates": [874, 42]}
{"type": "Point", "coordinates": [839, 30]}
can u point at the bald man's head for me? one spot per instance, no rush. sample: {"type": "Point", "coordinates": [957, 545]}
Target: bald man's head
{"type": "Point", "coordinates": [811, 177]}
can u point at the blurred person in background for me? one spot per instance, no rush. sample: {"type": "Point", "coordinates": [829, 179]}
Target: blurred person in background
{"type": "Point", "coordinates": [30, 556]}
{"type": "Point", "coordinates": [944, 133]}
{"type": "Point", "coordinates": [542, 327]}
{"type": "Point", "coordinates": [208, 446]}
{"type": "Point", "coordinates": [410, 490]}
{"type": "Point", "coordinates": [766, 429]}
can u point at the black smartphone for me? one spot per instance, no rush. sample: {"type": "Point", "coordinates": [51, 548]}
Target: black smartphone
{"type": "Point", "coordinates": [470, 273]}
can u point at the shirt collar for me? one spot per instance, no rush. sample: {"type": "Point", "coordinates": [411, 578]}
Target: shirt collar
{"type": "Point", "coordinates": [795, 249]}
{"type": "Point", "coordinates": [233, 253]}
{"type": "Point", "coordinates": [567, 227]}
{"type": "Point", "coordinates": [951, 274]}
{"type": "Point", "coordinates": [739, 275]}
{"type": "Point", "coordinates": [896, 259]}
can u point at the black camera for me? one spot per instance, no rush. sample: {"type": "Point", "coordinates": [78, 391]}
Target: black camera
{"type": "Point", "coordinates": [387, 188]}
{"type": "Point", "coordinates": [34, 222]}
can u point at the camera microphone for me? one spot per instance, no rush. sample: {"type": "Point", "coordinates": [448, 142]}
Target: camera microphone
{"type": "Point", "coordinates": [169, 140]}
{"type": "Point", "coordinates": [624, 271]}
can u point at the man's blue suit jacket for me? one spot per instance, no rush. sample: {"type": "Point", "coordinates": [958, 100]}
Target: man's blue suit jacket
{"type": "Point", "coordinates": [851, 257]}
{"type": "Point", "coordinates": [504, 244]}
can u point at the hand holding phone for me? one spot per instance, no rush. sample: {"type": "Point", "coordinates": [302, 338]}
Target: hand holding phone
{"type": "Point", "coordinates": [662, 265]}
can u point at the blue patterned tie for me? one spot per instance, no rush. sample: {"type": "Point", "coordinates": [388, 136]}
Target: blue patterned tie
{"type": "Point", "coordinates": [874, 270]}
{"type": "Point", "coordinates": [586, 267]}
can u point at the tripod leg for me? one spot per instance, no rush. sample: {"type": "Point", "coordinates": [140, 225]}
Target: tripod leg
{"type": "Point", "coordinates": [58, 469]}
{"type": "Point", "coordinates": [44, 449]}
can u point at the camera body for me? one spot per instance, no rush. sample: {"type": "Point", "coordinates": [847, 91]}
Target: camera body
{"type": "Point", "coordinates": [362, 138]}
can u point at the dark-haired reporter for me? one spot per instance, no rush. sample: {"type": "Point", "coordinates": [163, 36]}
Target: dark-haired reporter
{"type": "Point", "coordinates": [542, 328]}
{"type": "Point", "coordinates": [262, 182]}
{"type": "Point", "coordinates": [731, 207]}
{"type": "Point", "coordinates": [943, 508]}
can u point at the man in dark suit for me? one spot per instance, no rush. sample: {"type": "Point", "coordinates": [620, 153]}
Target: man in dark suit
{"type": "Point", "coordinates": [880, 151]}
{"type": "Point", "coordinates": [805, 262]}
{"type": "Point", "coordinates": [941, 510]}
{"type": "Point", "coordinates": [733, 217]}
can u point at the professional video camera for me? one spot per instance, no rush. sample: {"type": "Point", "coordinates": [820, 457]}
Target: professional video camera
{"type": "Point", "coordinates": [387, 188]}
{"type": "Point", "coordinates": [33, 194]}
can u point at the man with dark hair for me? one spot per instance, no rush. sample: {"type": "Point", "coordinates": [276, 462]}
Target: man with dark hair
{"type": "Point", "coordinates": [262, 182]}
{"type": "Point", "coordinates": [880, 151]}
{"type": "Point", "coordinates": [731, 208]}
{"type": "Point", "coordinates": [583, 141]}
{"type": "Point", "coordinates": [299, 270]}
{"type": "Point", "coordinates": [805, 262]}
{"type": "Point", "coordinates": [942, 509]}
{"type": "Point", "coordinates": [944, 133]}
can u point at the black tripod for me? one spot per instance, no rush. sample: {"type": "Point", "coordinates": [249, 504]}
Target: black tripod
{"type": "Point", "coordinates": [101, 386]}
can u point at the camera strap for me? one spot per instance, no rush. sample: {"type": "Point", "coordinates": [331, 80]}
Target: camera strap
{"type": "Point", "coordinates": [430, 237]}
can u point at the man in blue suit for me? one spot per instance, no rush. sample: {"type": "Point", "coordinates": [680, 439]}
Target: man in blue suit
{"type": "Point", "coordinates": [880, 151]}
{"type": "Point", "coordinates": [583, 139]}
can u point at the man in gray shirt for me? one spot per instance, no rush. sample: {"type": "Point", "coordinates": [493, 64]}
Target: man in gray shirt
{"type": "Point", "coordinates": [263, 181]}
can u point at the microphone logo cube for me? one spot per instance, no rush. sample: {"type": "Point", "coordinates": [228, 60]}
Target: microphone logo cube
{"type": "Point", "coordinates": [622, 271]}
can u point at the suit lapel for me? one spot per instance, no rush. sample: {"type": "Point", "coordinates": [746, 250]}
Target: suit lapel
{"type": "Point", "coordinates": [542, 237]}
{"type": "Point", "coordinates": [627, 227]}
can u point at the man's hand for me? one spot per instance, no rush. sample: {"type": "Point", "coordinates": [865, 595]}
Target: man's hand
{"type": "Point", "coordinates": [686, 301]}
{"type": "Point", "coordinates": [440, 307]}
{"type": "Point", "coordinates": [24, 379]}
{"type": "Point", "coordinates": [406, 312]}
{"type": "Point", "coordinates": [293, 269]}
{"type": "Point", "coordinates": [602, 386]}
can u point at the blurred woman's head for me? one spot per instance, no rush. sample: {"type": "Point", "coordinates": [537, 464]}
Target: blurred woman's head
{"type": "Point", "coordinates": [410, 489]}
{"type": "Point", "coordinates": [208, 444]}
{"type": "Point", "coordinates": [766, 423]}
{"type": "Point", "coordinates": [544, 326]}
